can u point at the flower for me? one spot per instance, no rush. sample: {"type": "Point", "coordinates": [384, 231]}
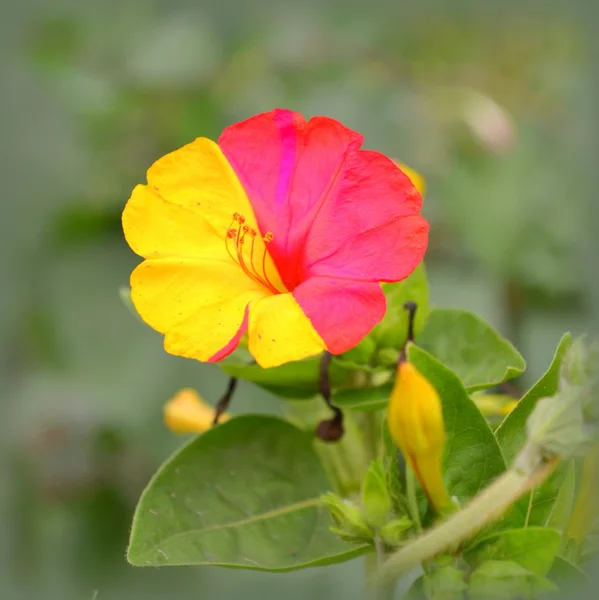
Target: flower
{"type": "Point", "coordinates": [283, 230]}
{"type": "Point", "coordinates": [188, 412]}
{"type": "Point", "coordinates": [415, 421]}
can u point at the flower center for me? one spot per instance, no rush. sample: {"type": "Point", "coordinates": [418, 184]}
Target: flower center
{"type": "Point", "coordinates": [236, 241]}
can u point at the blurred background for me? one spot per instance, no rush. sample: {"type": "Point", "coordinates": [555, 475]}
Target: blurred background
{"type": "Point", "coordinates": [489, 103]}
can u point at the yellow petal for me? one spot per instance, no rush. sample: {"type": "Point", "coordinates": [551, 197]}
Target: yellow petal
{"type": "Point", "coordinates": [198, 303]}
{"type": "Point", "coordinates": [280, 332]}
{"type": "Point", "coordinates": [199, 177]}
{"type": "Point", "coordinates": [415, 177]}
{"type": "Point", "coordinates": [156, 228]}
{"type": "Point", "coordinates": [187, 412]}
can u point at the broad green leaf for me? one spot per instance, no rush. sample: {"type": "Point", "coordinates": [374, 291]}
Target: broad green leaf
{"type": "Point", "coordinates": [507, 579]}
{"type": "Point", "coordinates": [526, 512]}
{"type": "Point", "coordinates": [533, 548]}
{"type": "Point", "coordinates": [392, 331]}
{"type": "Point", "coordinates": [366, 399]}
{"type": "Point", "coordinates": [296, 380]}
{"type": "Point", "coordinates": [471, 348]}
{"type": "Point", "coordinates": [565, 574]}
{"type": "Point", "coordinates": [472, 456]}
{"type": "Point", "coordinates": [511, 434]}
{"type": "Point", "coordinates": [562, 506]}
{"type": "Point", "coordinates": [245, 494]}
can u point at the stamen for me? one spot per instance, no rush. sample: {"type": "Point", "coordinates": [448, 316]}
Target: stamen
{"type": "Point", "coordinates": [268, 237]}
{"type": "Point", "coordinates": [238, 234]}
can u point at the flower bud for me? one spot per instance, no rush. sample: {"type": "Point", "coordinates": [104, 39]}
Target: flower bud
{"type": "Point", "coordinates": [376, 502]}
{"type": "Point", "coordinates": [392, 532]}
{"type": "Point", "coordinates": [188, 412]}
{"type": "Point", "coordinates": [415, 419]}
{"type": "Point", "coordinates": [351, 525]}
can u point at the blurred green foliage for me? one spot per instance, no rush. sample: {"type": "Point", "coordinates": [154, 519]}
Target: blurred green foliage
{"type": "Point", "coordinates": [485, 105]}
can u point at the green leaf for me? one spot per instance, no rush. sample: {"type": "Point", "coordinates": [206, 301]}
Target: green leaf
{"type": "Point", "coordinates": [296, 380]}
{"type": "Point", "coordinates": [561, 509]}
{"type": "Point", "coordinates": [472, 457]}
{"type": "Point", "coordinates": [471, 348]}
{"type": "Point", "coordinates": [366, 399]}
{"type": "Point", "coordinates": [507, 579]}
{"type": "Point", "coordinates": [245, 494]}
{"type": "Point", "coordinates": [566, 574]}
{"type": "Point", "coordinates": [511, 434]}
{"type": "Point", "coordinates": [526, 512]}
{"type": "Point", "coordinates": [533, 548]}
{"type": "Point", "coordinates": [392, 331]}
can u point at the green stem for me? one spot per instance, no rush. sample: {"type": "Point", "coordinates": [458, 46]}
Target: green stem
{"type": "Point", "coordinates": [412, 499]}
{"type": "Point", "coordinates": [369, 421]}
{"type": "Point", "coordinates": [486, 507]}
{"type": "Point", "coordinates": [529, 509]}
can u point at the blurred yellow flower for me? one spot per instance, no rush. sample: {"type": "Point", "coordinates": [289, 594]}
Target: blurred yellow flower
{"type": "Point", "coordinates": [188, 412]}
{"type": "Point", "coordinates": [494, 405]}
{"type": "Point", "coordinates": [415, 419]}
{"type": "Point", "coordinates": [414, 176]}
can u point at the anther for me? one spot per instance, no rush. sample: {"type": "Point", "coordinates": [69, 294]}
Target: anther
{"type": "Point", "coordinates": [268, 237]}
{"type": "Point", "coordinates": [231, 233]}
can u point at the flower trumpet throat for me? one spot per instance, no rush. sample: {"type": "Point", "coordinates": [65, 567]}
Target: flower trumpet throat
{"type": "Point", "coordinates": [415, 420]}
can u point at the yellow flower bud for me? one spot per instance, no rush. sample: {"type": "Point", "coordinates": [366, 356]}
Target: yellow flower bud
{"type": "Point", "coordinates": [414, 176]}
{"type": "Point", "coordinates": [188, 412]}
{"type": "Point", "coordinates": [415, 419]}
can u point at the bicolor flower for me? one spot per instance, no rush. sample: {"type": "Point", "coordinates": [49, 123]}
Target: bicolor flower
{"type": "Point", "coordinates": [188, 412]}
{"type": "Point", "coordinates": [283, 230]}
{"type": "Point", "coordinates": [415, 421]}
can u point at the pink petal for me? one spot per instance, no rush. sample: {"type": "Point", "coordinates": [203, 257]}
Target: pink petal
{"type": "Point", "coordinates": [289, 169]}
{"type": "Point", "coordinates": [388, 252]}
{"type": "Point", "coordinates": [342, 312]}
{"type": "Point", "coordinates": [370, 229]}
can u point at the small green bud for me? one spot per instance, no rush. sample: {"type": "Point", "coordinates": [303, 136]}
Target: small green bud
{"type": "Point", "coordinates": [507, 579]}
{"type": "Point", "coordinates": [392, 532]}
{"type": "Point", "coordinates": [392, 331]}
{"type": "Point", "coordinates": [376, 502]}
{"type": "Point", "coordinates": [387, 357]}
{"type": "Point", "coordinates": [351, 525]}
{"type": "Point", "coordinates": [362, 353]}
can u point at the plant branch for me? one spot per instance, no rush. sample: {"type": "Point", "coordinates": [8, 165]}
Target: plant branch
{"type": "Point", "coordinates": [482, 510]}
